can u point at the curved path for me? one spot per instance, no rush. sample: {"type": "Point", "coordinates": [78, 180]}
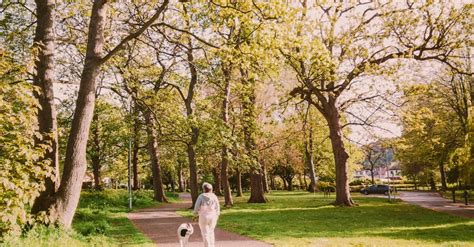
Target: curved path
{"type": "Point", "coordinates": [435, 201]}
{"type": "Point", "coordinates": [161, 224]}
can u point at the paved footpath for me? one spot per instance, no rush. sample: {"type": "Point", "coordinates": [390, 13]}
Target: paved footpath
{"type": "Point", "coordinates": [161, 225]}
{"type": "Point", "coordinates": [435, 201]}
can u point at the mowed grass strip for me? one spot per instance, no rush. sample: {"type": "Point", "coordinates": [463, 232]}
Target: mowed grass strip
{"type": "Point", "coordinates": [304, 219]}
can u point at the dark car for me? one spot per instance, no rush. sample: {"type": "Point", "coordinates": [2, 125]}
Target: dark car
{"type": "Point", "coordinates": [376, 189]}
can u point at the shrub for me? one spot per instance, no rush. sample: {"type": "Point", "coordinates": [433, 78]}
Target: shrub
{"type": "Point", "coordinates": [325, 186]}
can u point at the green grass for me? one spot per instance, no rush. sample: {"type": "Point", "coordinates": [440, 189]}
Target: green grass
{"type": "Point", "coordinates": [303, 219]}
{"type": "Point", "coordinates": [100, 220]}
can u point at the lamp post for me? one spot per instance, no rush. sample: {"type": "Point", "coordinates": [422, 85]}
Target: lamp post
{"type": "Point", "coordinates": [129, 161]}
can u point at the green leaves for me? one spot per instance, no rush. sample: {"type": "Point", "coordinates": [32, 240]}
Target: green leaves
{"type": "Point", "coordinates": [21, 172]}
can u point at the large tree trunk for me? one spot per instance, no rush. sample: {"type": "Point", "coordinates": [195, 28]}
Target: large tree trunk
{"type": "Point", "coordinates": [256, 188]}
{"type": "Point", "coordinates": [225, 150]}
{"type": "Point", "coordinates": [343, 196]}
{"type": "Point", "coordinates": [44, 42]}
{"type": "Point", "coordinates": [239, 183]}
{"type": "Point", "coordinates": [75, 165]}
{"type": "Point", "coordinates": [249, 123]}
{"type": "Point", "coordinates": [159, 194]}
{"type": "Point", "coordinates": [193, 181]}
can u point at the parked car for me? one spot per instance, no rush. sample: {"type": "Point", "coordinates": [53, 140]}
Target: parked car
{"type": "Point", "coordinates": [376, 189]}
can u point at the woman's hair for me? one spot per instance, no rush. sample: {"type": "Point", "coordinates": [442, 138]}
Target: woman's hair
{"type": "Point", "coordinates": [207, 187]}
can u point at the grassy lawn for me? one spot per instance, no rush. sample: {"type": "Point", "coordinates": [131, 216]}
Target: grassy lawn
{"type": "Point", "coordinates": [302, 219]}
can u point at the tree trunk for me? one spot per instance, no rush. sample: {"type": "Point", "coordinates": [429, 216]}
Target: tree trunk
{"type": "Point", "coordinates": [443, 175]}
{"type": "Point", "coordinates": [343, 196]}
{"type": "Point", "coordinates": [256, 188]}
{"type": "Point", "coordinates": [285, 187]}
{"type": "Point", "coordinates": [188, 101]}
{"type": "Point", "coordinates": [193, 181]}
{"type": "Point", "coordinates": [264, 179]}
{"type": "Point", "coordinates": [96, 152]}
{"type": "Point", "coordinates": [239, 183]}
{"type": "Point", "coordinates": [217, 181]}
{"type": "Point", "coordinates": [272, 182]}
{"type": "Point", "coordinates": [75, 165]}
{"type": "Point", "coordinates": [372, 175]}
{"type": "Point", "coordinates": [44, 78]}
{"type": "Point", "coordinates": [289, 182]}
{"type": "Point", "coordinates": [96, 172]}
{"type": "Point", "coordinates": [159, 194]}
{"type": "Point", "coordinates": [181, 186]}
{"type": "Point", "coordinates": [300, 180]}
{"type": "Point", "coordinates": [304, 181]}
{"type": "Point", "coordinates": [250, 128]}
{"type": "Point", "coordinates": [432, 183]}
{"type": "Point", "coordinates": [225, 150]}
{"type": "Point", "coordinates": [310, 160]}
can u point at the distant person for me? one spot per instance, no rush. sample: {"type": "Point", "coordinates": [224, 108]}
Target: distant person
{"type": "Point", "coordinates": [208, 208]}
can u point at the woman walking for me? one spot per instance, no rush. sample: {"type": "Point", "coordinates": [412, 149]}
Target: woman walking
{"type": "Point", "coordinates": [208, 208]}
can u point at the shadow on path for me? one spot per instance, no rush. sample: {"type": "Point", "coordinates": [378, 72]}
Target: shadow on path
{"type": "Point", "coordinates": [161, 224]}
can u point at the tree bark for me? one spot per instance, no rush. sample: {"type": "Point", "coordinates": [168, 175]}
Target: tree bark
{"type": "Point", "coordinates": [239, 183]}
{"type": "Point", "coordinates": [75, 165]}
{"type": "Point", "coordinates": [432, 183]}
{"type": "Point", "coordinates": [159, 194]}
{"type": "Point", "coordinates": [193, 181]}
{"type": "Point", "coordinates": [96, 152]}
{"type": "Point", "coordinates": [225, 150]}
{"type": "Point", "coordinates": [217, 181]}
{"type": "Point", "coordinates": [310, 161]}
{"type": "Point", "coordinates": [264, 179]}
{"type": "Point", "coordinates": [188, 101]}
{"type": "Point", "coordinates": [372, 175]}
{"type": "Point", "coordinates": [272, 182]}
{"type": "Point", "coordinates": [289, 182]}
{"type": "Point", "coordinates": [96, 172]}
{"type": "Point", "coordinates": [44, 42]}
{"type": "Point", "coordinates": [442, 173]}
{"type": "Point", "coordinates": [343, 196]}
{"type": "Point", "coordinates": [249, 129]}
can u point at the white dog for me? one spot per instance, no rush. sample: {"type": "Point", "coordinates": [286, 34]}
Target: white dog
{"type": "Point", "coordinates": [185, 230]}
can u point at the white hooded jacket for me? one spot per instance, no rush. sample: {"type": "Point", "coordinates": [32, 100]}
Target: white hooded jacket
{"type": "Point", "coordinates": [207, 204]}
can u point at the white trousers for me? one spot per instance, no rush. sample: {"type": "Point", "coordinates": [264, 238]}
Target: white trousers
{"type": "Point", "coordinates": [207, 223]}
